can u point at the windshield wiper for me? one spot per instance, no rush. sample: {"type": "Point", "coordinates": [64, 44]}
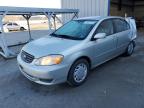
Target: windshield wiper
{"type": "Point", "coordinates": [69, 37]}
{"type": "Point", "coordinates": [58, 36]}
{"type": "Point", "coordinates": [53, 34]}
{"type": "Point", "coordinates": [65, 36]}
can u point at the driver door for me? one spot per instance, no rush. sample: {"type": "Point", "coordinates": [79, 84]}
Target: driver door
{"type": "Point", "coordinates": [105, 49]}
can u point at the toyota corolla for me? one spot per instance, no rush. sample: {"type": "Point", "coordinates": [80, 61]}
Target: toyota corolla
{"type": "Point", "coordinates": [69, 53]}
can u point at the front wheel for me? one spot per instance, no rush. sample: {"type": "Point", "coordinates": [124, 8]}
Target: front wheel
{"type": "Point", "coordinates": [130, 49]}
{"type": "Point", "coordinates": [78, 72]}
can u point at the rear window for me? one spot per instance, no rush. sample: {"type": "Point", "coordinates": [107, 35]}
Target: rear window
{"type": "Point", "coordinates": [120, 25]}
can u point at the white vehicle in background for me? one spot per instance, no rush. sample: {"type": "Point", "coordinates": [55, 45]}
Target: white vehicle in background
{"type": "Point", "coordinates": [12, 27]}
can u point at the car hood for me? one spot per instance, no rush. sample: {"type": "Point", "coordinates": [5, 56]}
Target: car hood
{"type": "Point", "coordinates": [49, 45]}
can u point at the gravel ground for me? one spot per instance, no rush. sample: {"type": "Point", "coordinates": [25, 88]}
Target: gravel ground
{"type": "Point", "coordinates": [118, 83]}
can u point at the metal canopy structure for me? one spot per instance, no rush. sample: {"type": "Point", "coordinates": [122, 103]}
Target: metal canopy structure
{"type": "Point", "coordinates": [27, 12]}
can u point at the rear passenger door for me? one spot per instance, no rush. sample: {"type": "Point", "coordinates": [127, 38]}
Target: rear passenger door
{"type": "Point", "coordinates": [122, 31]}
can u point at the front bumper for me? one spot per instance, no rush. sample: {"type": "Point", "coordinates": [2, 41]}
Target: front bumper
{"type": "Point", "coordinates": [45, 75]}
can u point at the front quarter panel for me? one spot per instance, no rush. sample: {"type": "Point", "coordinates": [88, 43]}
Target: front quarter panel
{"type": "Point", "coordinates": [84, 49]}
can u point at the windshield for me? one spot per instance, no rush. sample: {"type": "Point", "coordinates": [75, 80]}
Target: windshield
{"type": "Point", "coordinates": [76, 29]}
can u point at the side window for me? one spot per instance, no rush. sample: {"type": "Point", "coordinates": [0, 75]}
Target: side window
{"type": "Point", "coordinates": [120, 25]}
{"type": "Point", "coordinates": [105, 27]}
{"type": "Point", "coordinates": [9, 24]}
{"type": "Point", "coordinates": [15, 24]}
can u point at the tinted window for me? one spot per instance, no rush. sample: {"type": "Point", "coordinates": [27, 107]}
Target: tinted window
{"type": "Point", "coordinates": [120, 25]}
{"type": "Point", "coordinates": [105, 27]}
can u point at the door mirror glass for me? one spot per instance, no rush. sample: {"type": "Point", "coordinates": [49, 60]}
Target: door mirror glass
{"type": "Point", "coordinates": [100, 36]}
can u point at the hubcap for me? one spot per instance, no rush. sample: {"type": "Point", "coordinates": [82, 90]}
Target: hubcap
{"type": "Point", "coordinates": [80, 72]}
{"type": "Point", "coordinates": [130, 48]}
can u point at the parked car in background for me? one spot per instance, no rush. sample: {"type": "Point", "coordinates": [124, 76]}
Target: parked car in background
{"type": "Point", "coordinates": [13, 27]}
{"type": "Point", "coordinates": [68, 54]}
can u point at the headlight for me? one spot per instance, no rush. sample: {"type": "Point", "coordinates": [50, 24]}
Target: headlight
{"type": "Point", "coordinates": [49, 60]}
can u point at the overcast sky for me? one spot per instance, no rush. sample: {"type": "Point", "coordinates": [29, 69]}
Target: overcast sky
{"type": "Point", "coordinates": [32, 3]}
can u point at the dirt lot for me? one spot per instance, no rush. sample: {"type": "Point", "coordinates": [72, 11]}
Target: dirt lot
{"type": "Point", "coordinates": [118, 83]}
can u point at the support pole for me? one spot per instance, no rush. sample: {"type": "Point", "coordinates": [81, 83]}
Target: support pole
{"type": "Point", "coordinates": [120, 5]}
{"type": "Point", "coordinates": [133, 5]}
{"type": "Point", "coordinates": [58, 19]}
{"type": "Point", "coordinates": [75, 16]}
{"type": "Point", "coordinates": [54, 18]}
{"type": "Point", "coordinates": [49, 16]}
{"type": "Point", "coordinates": [6, 52]}
{"type": "Point", "coordinates": [3, 44]}
{"type": "Point", "coordinates": [27, 17]}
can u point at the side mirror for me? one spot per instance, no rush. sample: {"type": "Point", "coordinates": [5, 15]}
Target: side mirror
{"type": "Point", "coordinates": [100, 36]}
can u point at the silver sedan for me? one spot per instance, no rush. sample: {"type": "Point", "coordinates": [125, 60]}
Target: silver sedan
{"type": "Point", "coordinates": [69, 53]}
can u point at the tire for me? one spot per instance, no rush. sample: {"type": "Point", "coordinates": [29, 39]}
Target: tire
{"type": "Point", "coordinates": [22, 29]}
{"type": "Point", "coordinates": [130, 49]}
{"type": "Point", "coordinates": [78, 73]}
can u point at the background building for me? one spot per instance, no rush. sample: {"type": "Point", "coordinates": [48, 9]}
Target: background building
{"type": "Point", "coordinates": [132, 8]}
{"type": "Point", "coordinates": [87, 7]}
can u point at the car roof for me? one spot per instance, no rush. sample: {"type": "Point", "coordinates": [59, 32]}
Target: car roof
{"type": "Point", "coordinates": [98, 18]}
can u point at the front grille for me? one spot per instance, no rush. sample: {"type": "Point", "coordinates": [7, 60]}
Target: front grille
{"type": "Point", "coordinates": [26, 57]}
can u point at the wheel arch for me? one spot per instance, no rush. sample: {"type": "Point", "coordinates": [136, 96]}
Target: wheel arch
{"type": "Point", "coordinates": [83, 57]}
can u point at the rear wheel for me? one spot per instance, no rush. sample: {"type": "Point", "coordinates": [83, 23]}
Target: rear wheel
{"type": "Point", "coordinates": [78, 72]}
{"type": "Point", "coordinates": [22, 29]}
{"type": "Point", "coordinates": [130, 49]}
